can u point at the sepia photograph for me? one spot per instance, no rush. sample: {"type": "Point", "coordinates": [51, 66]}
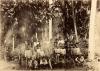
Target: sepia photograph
{"type": "Point", "coordinates": [50, 35]}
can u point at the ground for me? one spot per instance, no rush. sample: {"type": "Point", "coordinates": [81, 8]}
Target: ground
{"type": "Point", "coordinates": [4, 65]}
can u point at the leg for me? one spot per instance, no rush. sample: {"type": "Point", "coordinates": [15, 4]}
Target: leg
{"type": "Point", "coordinates": [50, 63]}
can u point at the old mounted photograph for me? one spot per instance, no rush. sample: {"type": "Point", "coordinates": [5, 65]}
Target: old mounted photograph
{"type": "Point", "coordinates": [62, 35]}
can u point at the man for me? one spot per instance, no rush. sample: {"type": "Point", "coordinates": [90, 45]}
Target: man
{"type": "Point", "coordinates": [79, 60]}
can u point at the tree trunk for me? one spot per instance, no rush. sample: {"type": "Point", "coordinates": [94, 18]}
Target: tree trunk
{"type": "Point", "coordinates": [92, 30]}
{"type": "Point", "coordinates": [50, 22]}
{"type": "Point", "coordinates": [74, 21]}
{"type": "Point", "coordinates": [13, 44]}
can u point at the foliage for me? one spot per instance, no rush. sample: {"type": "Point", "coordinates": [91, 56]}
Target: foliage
{"type": "Point", "coordinates": [33, 16]}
